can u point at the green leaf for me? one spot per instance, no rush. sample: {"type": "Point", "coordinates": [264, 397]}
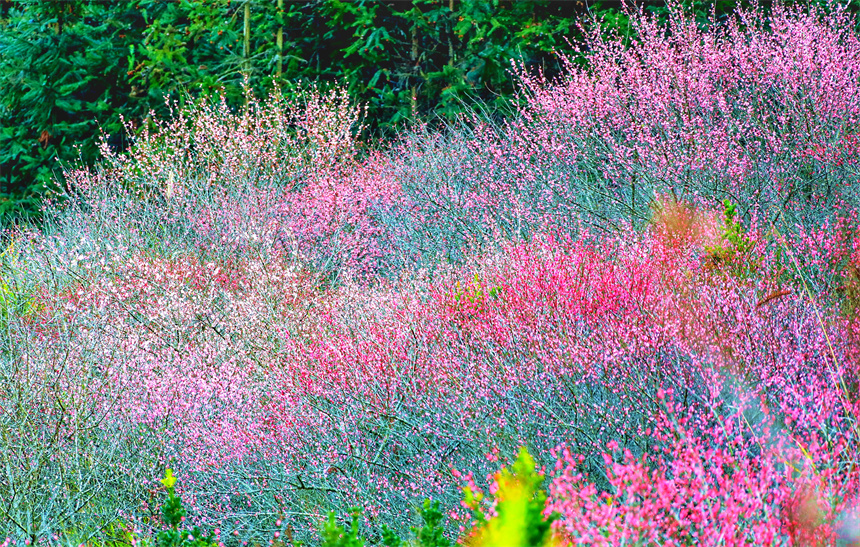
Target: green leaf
{"type": "Point", "coordinates": [169, 480]}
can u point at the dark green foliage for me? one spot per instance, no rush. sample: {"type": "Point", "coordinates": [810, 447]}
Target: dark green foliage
{"type": "Point", "coordinates": [423, 57]}
{"type": "Point", "coordinates": [432, 534]}
{"type": "Point", "coordinates": [389, 538]}
{"type": "Point", "coordinates": [58, 67]}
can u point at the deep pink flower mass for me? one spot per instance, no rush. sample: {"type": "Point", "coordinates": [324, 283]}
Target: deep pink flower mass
{"type": "Point", "coordinates": [650, 277]}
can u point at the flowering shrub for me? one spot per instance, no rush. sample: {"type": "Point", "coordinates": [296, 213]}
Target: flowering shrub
{"type": "Point", "coordinates": [760, 110]}
{"type": "Point", "coordinates": [731, 481]}
{"type": "Point", "coordinates": [648, 278]}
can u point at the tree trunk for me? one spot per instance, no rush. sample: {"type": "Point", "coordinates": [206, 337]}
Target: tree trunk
{"type": "Point", "coordinates": [281, 40]}
{"type": "Point", "coordinates": [58, 26]}
{"type": "Point", "coordinates": [451, 34]}
{"type": "Point", "coordinates": [414, 58]}
{"type": "Point", "coordinates": [247, 51]}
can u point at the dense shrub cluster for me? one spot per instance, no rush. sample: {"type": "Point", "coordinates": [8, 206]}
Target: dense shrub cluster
{"type": "Point", "coordinates": [649, 279]}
